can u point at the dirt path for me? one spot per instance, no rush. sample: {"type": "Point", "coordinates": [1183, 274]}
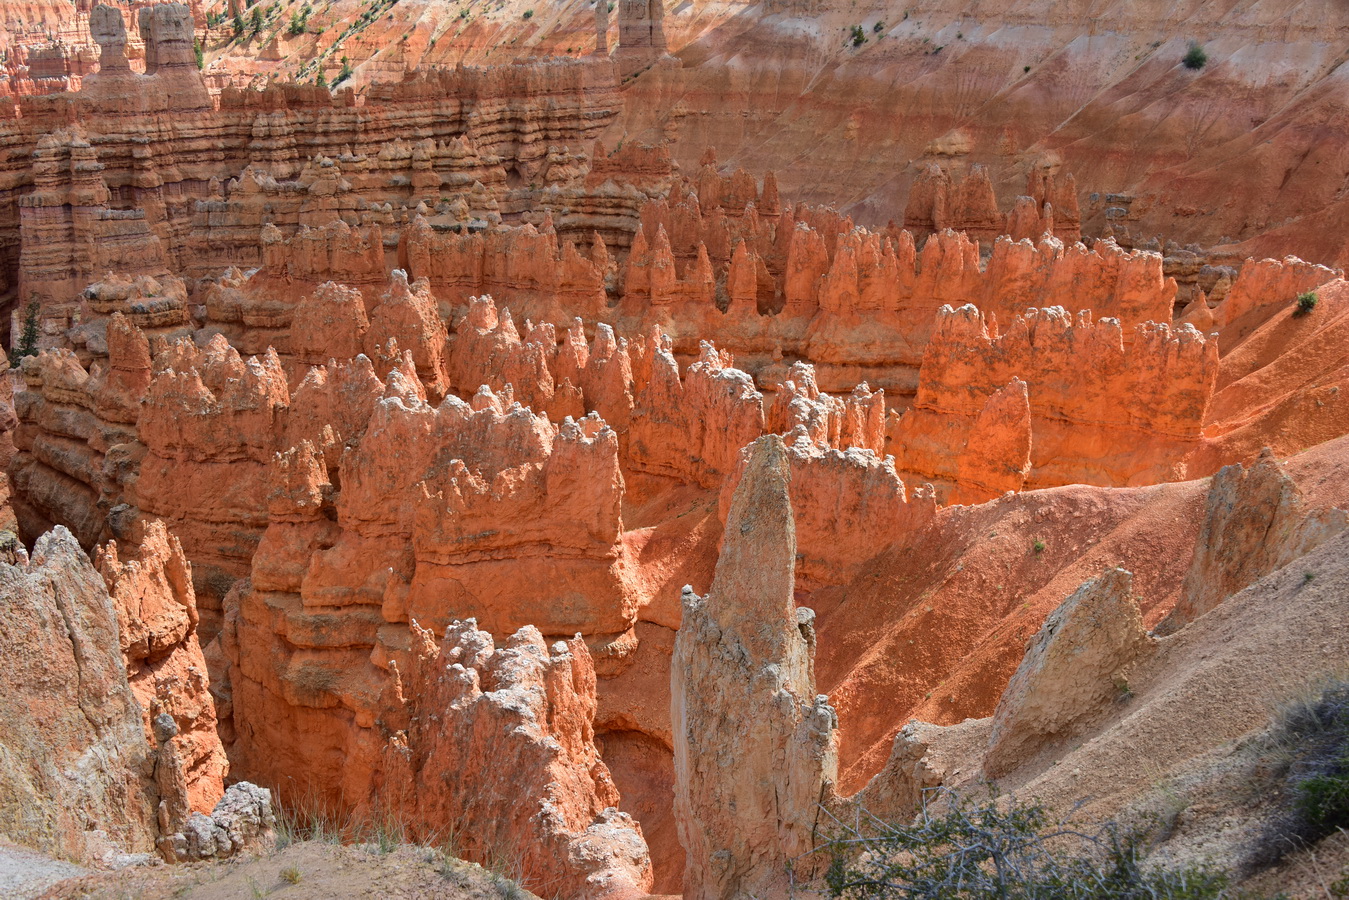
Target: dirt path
{"type": "Point", "coordinates": [25, 874]}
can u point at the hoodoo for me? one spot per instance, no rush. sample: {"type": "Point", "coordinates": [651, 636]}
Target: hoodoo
{"type": "Point", "coordinates": [635, 450]}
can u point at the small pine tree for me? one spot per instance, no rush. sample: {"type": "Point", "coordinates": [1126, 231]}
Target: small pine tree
{"type": "Point", "coordinates": [345, 73]}
{"type": "Point", "coordinates": [321, 81]}
{"type": "Point", "coordinates": [256, 24]}
{"type": "Point", "coordinates": [238, 24]}
{"type": "Point", "coordinates": [28, 340]}
{"type": "Point", "coordinates": [199, 54]}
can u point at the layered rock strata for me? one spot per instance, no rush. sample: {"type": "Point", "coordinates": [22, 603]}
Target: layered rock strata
{"type": "Point", "coordinates": [143, 170]}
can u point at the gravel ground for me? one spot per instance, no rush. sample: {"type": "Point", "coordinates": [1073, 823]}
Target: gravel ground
{"type": "Point", "coordinates": [25, 874]}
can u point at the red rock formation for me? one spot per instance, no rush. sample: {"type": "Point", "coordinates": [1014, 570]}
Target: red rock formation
{"type": "Point", "coordinates": [692, 427]}
{"type": "Point", "coordinates": [157, 624]}
{"type": "Point", "coordinates": [937, 203]}
{"type": "Point", "coordinates": [421, 540]}
{"type": "Point", "coordinates": [1081, 379]}
{"type": "Point", "coordinates": [208, 423]}
{"type": "Point", "coordinates": [1260, 289]}
{"type": "Point", "coordinates": [329, 324]}
{"type": "Point", "coordinates": [524, 268]}
{"type": "Point", "coordinates": [70, 234]}
{"type": "Point", "coordinates": [508, 760]}
{"type": "Point", "coordinates": [406, 317]}
{"type": "Point", "coordinates": [59, 471]}
{"type": "Point", "coordinates": [856, 421]}
{"type": "Point", "coordinates": [641, 35]}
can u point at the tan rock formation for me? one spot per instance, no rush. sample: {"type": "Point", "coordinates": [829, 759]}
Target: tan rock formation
{"type": "Point", "coordinates": [747, 788]}
{"type": "Point", "coordinates": [1255, 521]}
{"type": "Point", "coordinates": [1078, 662]}
{"type": "Point", "coordinates": [74, 780]}
{"type": "Point", "coordinates": [241, 823]}
{"type": "Point", "coordinates": [847, 505]}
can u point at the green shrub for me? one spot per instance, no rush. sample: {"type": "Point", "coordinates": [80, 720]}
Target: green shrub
{"type": "Point", "coordinates": [859, 36]}
{"type": "Point", "coordinates": [1305, 303]}
{"type": "Point", "coordinates": [878, 27]}
{"type": "Point", "coordinates": [1316, 735]}
{"type": "Point", "coordinates": [529, 14]}
{"type": "Point", "coordinates": [962, 850]}
{"type": "Point", "coordinates": [1195, 57]}
{"type": "Point", "coordinates": [1039, 546]}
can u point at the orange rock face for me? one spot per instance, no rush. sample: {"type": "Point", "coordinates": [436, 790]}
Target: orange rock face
{"type": "Point", "coordinates": [1095, 390]}
{"type": "Point", "coordinates": [157, 624]}
{"type": "Point", "coordinates": [509, 724]}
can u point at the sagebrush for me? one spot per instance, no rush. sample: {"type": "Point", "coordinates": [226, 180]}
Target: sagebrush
{"type": "Point", "coordinates": [982, 850]}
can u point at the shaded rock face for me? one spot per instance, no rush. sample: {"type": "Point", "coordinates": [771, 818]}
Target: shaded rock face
{"type": "Point", "coordinates": [748, 785]}
{"type": "Point", "coordinates": [76, 774]}
{"type": "Point", "coordinates": [497, 745]}
{"type": "Point", "coordinates": [1255, 521]}
{"type": "Point", "coordinates": [1075, 666]}
{"type": "Point", "coordinates": [641, 34]}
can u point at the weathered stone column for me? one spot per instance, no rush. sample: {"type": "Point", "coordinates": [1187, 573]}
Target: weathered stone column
{"type": "Point", "coordinates": [755, 748]}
